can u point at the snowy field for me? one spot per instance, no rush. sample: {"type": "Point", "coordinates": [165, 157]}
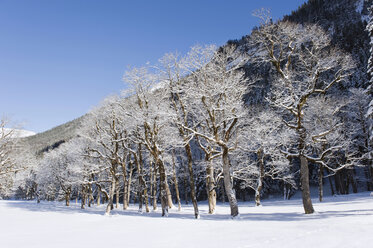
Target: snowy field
{"type": "Point", "coordinates": [342, 221]}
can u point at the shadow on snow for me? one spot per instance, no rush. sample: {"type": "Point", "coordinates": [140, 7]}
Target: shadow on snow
{"type": "Point", "coordinates": [253, 216]}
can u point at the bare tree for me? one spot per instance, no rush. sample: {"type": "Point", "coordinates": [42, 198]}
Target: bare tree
{"type": "Point", "coordinates": [152, 115]}
{"type": "Point", "coordinates": [216, 99]}
{"type": "Point", "coordinates": [8, 156]}
{"type": "Point", "coordinates": [369, 113]}
{"type": "Point", "coordinates": [174, 177]}
{"type": "Point", "coordinates": [259, 152]}
{"type": "Point", "coordinates": [57, 170]}
{"type": "Point", "coordinates": [107, 143]}
{"type": "Point", "coordinates": [305, 66]}
{"type": "Point", "coordinates": [174, 69]}
{"type": "Point", "coordinates": [358, 129]}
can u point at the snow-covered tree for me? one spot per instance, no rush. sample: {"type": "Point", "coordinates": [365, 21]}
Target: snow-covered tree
{"type": "Point", "coordinates": [323, 120]}
{"type": "Point", "coordinates": [25, 181]}
{"type": "Point", "coordinates": [105, 132]}
{"type": "Point", "coordinates": [215, 95]}
{"type": "Point", "coordinates": [174, 69]}
{"type": "Point", "coordinates": [151, 114]}
{"type": "Point", "coordinates": [357, 127]}
{"type": "Point", "coordinates": [369, 114]}
{"type": "Point", "coordinates": [259, 154]}
{"type": "Point", "coordinates": [8, 154]}
{"type": "Point", "coordinates": [56, 172]}
{"type": "Point", "coordinates": [305, 66]}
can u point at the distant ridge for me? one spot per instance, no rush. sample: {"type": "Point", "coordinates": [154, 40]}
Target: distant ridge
{"type": "Point", "coordinates": [50, 139]}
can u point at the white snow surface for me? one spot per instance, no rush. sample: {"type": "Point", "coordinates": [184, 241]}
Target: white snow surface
{"type": "Point", "coordinates": [18, 133]}
{"type": "Point", "coordinates": [342, 221]}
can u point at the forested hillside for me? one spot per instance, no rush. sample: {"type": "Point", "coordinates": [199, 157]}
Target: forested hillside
{"type": "Point", "coordinates": [282, 110]}
{"type": "Point", "coordinates": [48, 140]}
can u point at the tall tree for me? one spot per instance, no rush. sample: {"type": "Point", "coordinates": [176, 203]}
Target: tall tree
{"type": "Point", "coordinates": [8, 156]}
{"type": "Point", "coordinates": [216, 93]}
{"type": "Point", "coordinates": [152, 115]}
{"type": "Point", "coordinates": [105, 129]}
{"type": "Point", "coordinates": [305, 66]}
{"type": "Point", "coordinates": [369, 113]}
{"type": "Point", "coordinates": [174, 69]}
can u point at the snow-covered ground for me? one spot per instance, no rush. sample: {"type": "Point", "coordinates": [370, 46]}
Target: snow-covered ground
{"type": "Point", "coordinates": [342, 221]}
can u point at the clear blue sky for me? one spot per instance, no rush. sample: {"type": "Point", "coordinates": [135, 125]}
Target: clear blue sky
{"type": "Point", "coordinates": [59, 58]}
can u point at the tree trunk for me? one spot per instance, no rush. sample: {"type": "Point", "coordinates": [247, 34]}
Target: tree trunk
{"type": "Point", "coordinates": [346, 182]}
{"type": "Point", "coordinates": [125, 194]}
{"type": "Point", "coordinates": [117, 194]}
{"type": "Point", "coordinates": [127, 188]}
{"type": "Point", "coordinates": [110, 206]}
{"type": "Point", "coordinates": [146, 200]}
{"type": "Point", "coordinates": [139, 177]}
{"type": "Point", "coordinates": [228, 184]}
{"type": "Point", "coordinates": [222, 188]}
{"type": "Point", "coordinates": [163, 188]}
{"type": "Point", "coordinates": [371, 173]}
{"type": "Point", "coordinates": [260, 178]}
{"type": "Point", "coordinates": [153, 186]}
{"type": "Point", "coordinates": [142, 191]}
{"type": "Point", "coordinates": [151, 183]}
{"type": "Point", "coordinates": [331, 185]}
{"type": "Point", "coordinates": [185, 190]}
{"type": "Point", "coordinates": [337, 183]}
{"type": "Point", "coordinates": [82, 197]}
{"type": "Point", "coordinates": [286, 191]}
{"type": "Point", "coordinates": [90, 195]}
{"type": "Point", "coordinates": [367, 178]}
{"type": "Point", "coordinates": [321, 176]}
{"type": "Point", "coordinates": [168, 191]}
{"type": "Point", "coordinates": [188, 151]}
{"type": "Point", "coordinates": [210, 186]}
{"type": "Point", "coordinates": [98, 198]}
{"type": "Point", "coordinates": [144, 186]}
{"type": "Point", "coordinates": [140, 196]}
{"type": "Point", "coordinates": [341, 182]}
{"type": "Point", "coordinates": [352, 176]}
{"type": "Point", "coordinates": [257, 192]}
{"type": "Point", "coordinates": [105, 198]}
{"type": "Point", "coordinates": [175, 181]}
{"type": "Point", "coordinates": [67, 198]}
{"type": "Point", "coordinates": [305, 186]}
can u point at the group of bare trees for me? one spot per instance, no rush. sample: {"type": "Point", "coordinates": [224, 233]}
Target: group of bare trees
{"type": "Point", "coordinates": [190, 115]}
{"type": "Point", "coordinates": [6, 147]}
{"type": "Point", "coordinates": [11, 162]}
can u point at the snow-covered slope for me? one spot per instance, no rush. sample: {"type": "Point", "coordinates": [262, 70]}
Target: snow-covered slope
{"type": "Point", "coordinates": [18, 133]}
{"type": "Point", "coordinates": [342, 221]}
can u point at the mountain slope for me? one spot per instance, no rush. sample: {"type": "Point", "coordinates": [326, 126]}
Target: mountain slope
{"type": "Point", "coordinates": [346, 21]}
{"type": "Point", "coordinates": [52, 138]}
